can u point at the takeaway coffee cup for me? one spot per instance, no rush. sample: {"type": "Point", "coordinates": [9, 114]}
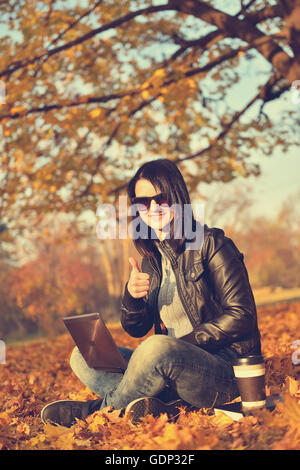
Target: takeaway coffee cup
{"type": "Point", "coordinates": [250, 376]}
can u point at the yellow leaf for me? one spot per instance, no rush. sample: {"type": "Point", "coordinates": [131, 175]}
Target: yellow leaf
{"type": "Point", "coordinates": [47, 67]}
{"type": "Point", "coordinates": [290, 408]}
{"type": "Point", "coordinates": [95, 113]}
{"type": "Point", "coordinates": [97, 423]}
{"type": "Point", "coordinates": [145, 94]}
{"type": "Point", "coordinates": [83, 395]}
{"type": "Point", "coordinates": [221, 418]}
{"type": "Point", "coordinates": [191, 84]}
{"type": "Point", "coordinates": [160, 73]}
{"type": "Point", "coordinates": [199, 120]}
{"type": "Point", "coordinates": [145, 85]}
{"type": "Point", "coordinates": [4, 417]}
{"type": "Point", "coordinates": [31, 379]}
{"type": "Point", "coordinates": [95, 189]}
{"type": "Point", "coordinates": [36, 441]}
{"type": "Point", "coordinates": [23, 428]}
{"type": "Point", "coordinates": [17, 109]}
{"type": "Point", "coordinates": [36, 184]}
{"type": "Point", "coordinates": [292, 385]}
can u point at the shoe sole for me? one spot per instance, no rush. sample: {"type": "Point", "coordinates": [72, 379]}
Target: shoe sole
{"type": "Point", "coordinates": [141, 407]}
{"type": "Point", "coordinates": [46, 406]}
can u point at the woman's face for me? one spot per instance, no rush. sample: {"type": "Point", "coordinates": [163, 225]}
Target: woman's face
{"type": "Point", "coordinates": [157, 217]}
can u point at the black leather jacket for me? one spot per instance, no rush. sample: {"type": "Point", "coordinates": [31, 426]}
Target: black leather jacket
{"type": "Point", "coordinates": [214, 288]}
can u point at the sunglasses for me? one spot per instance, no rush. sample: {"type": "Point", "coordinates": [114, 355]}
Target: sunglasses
{"type": "Point", "coordinates": [143, 203]}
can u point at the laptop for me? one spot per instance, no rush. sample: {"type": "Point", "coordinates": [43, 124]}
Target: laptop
{"type": "Point", "coordinates": [95, 342]}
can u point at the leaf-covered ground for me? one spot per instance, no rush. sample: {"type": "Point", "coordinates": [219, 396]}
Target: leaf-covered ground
{"type": "Point", "coordinates": [38, 372]}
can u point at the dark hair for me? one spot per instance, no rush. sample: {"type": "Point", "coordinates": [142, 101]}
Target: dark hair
{"type": "Point", "coordinates": [164, 175]}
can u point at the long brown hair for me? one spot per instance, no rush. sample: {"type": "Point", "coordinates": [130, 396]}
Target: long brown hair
{"type": "Point", "coordinates": [162, 174]}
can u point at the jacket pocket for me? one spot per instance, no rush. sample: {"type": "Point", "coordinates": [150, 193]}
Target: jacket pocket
{"type": "Point", "coordinates": [194, 272]}
{"type": "Point", "coordinates": [211, 308]}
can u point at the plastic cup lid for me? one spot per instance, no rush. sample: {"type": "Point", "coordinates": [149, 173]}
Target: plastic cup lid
{"type": "Point", "coordinates": [247, 361]}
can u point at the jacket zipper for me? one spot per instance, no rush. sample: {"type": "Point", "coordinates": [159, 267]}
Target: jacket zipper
{"type": "Point", "coordinates": [159, 283]}
{"type": "Point", "coordinates": [187, 311]}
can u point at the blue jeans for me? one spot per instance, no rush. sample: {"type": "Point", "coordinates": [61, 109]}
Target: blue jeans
{"type": "Point", "coordinates": [167, 368]}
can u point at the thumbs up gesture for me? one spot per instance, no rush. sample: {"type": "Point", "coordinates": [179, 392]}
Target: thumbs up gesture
{"type": "Point", "coordinates": [138, 284]}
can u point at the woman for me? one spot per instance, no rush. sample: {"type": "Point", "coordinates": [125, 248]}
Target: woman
{"type": "Point", "coordinates": [193, 287]}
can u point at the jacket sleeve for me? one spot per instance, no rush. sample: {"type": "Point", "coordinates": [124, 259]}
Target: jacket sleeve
{"type": "Point", "coordinates": [136, 318]}
{"type": "Point", "coordinates": [229, 280]}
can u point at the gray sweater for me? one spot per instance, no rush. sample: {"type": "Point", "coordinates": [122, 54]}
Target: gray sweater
{"type": "Point", "coordinates": [171, 310]}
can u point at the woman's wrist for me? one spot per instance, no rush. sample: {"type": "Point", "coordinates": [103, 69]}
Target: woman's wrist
{"type": "Point", "coordinates": [131, 302]}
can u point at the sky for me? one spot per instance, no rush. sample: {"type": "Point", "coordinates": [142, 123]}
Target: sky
{"type": "Point", "coordinates": [279, 180]}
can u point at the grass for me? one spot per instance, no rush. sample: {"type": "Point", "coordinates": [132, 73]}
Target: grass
{"type": "Point", "coordinates": [263, 296]}
{"type": "Point", "coordinates": [267, 295]}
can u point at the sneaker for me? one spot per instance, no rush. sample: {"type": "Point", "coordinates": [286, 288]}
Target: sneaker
{"type": "Point", "coordinates": [141, 407]}
{"type": "Point", "coordinates": [65, 412]}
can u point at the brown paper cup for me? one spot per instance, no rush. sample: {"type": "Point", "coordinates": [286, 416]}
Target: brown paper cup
{"type": "Point", "coordinates": [250, 376]}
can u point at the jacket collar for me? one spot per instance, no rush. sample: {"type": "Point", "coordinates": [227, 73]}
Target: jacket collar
{"type": "Point", "coordinates": [193, 243]}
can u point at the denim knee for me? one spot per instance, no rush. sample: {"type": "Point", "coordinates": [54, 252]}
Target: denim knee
{"type": "Point", "coordinates": [154, 349]}
{"type": "Point", "coordinates": [75, 360]}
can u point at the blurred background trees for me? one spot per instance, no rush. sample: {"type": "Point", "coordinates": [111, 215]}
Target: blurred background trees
{"type": "Point", "coordinates": [66, 270]}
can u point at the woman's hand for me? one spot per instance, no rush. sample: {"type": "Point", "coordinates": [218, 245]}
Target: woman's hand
{"type": "Point", "coordinates": [138, 284]}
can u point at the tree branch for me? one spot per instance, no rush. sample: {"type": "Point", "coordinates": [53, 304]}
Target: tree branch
{"type": "Point", "coordinates": [262, 94]}
{"type": "Point", "coordinates": [268, 12]}
{"type": "Point", "coordinates": [244, 30]}
{"type": "Point", "coordinates": [72, 25]}
{"type": "Point", "coordinates": [14, 66]}
{"type": "Point", "coordinates": [130, 92]}
{"type": "Point", "coordinates": [65, 104]}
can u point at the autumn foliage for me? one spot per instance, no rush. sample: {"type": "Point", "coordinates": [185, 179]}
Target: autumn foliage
{"type": "Point", "coordinates": [38, 372]}
{"type": "Point", "coordinates": [58, 282]}
{"type": "Point", "coordinates": [64, 275]}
